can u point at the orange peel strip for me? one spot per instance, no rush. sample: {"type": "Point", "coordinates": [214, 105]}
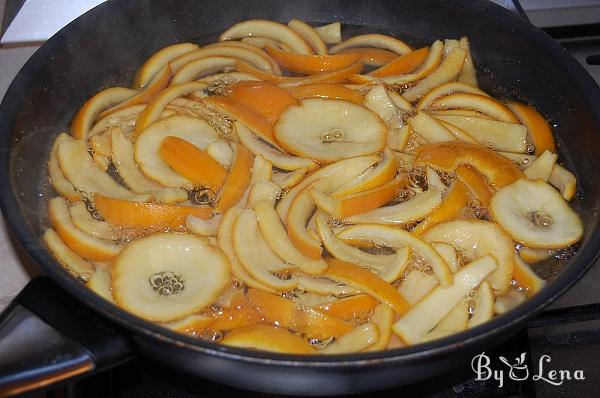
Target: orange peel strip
{"type": "Point", "coordinates": [311, 64]}
{"type": "Point", "coordinates": [451, 207]}
{"type": "Point", "coordinates": [85, 245]}
{"type": "Point", "coordinates": [267, 338]}
{"type": "Point", "coordinates": [253, 120]}
{"type": "Point", "coordinates": [155, 86]}
{"type": "Point", "coordinates": [537, 127]}
{"type": "Point", "coordinates": [406, 63]}
{"type": "Point", "coordinates": [330, 77]}
{"type": "Point", "coordinates": [264, 98]}
{"type": "Point", "coordinates": [83, 120]}
{"type": "Point", "coordinates": [283, 312]}
{"type": "Point", "coordinates": [498, 170]}
{"type": "Point", "coordinates": [237, 181]}
{"type": "Point", "coordinates": [349, 308]}
{"type": "Point", "coordinates": [475, 182]}
{"type": "Point", "coordinates": [372, 56]}
{"type": "Point", "coordinates": [192, 163]}
{"type": "Point", "coordinates": [367, 282]}
{"type": "Point", "coordinates": [124, 213]}
{"type": "Point", "coordinates": [324, 90]}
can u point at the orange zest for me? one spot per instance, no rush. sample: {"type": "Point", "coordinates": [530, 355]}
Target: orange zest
{"type": "Point", "coordinates": [192, 163]}
{"type": "Point", "coordinates": [323, 90]}
{"type": "Point", "coordinates": [124, 213]}
{"type": "Point", "coordinates": [253, 120]}
{"type": "Point", "coordinates": [406, 63]}
{"type": "Point", "coordinates": [237, 181]}
{"type": "Point", "coordinates": [475, 182]}
{"type": "Point", "coordinates": [367, 282]}
{"type": "Point", "coordinates": [328, 77]}
{"type": "Point", "coordinates": [456, 199]}
{"type": "Point", "coordinates": [311, 64]}
{"type": "Point", "coordinates": [498, 170]}
{"type": "Point", "coordinates": [372, 56]}
{"type": "Point", "coordinates": [350, 308]}
{"type": "Point", "coordinates": [537, 127]}
{"type": "Point", "coordinates": [264, 98]}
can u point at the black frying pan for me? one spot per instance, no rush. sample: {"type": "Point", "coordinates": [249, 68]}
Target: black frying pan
{"type": "Point", "coordinates": [105, 46]}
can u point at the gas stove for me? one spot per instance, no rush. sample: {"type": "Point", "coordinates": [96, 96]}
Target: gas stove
{"type": "Point", "coordinates": [558, 354]}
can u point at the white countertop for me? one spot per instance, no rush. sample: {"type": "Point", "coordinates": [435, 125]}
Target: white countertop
{"type": "Point", "coordinates": [16, 269]}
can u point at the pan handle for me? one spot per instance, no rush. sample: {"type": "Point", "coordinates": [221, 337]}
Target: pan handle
{"type": "Point", "coordinates": [47, 337]}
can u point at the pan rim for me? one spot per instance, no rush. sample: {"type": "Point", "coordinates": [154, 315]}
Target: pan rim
{"type": "Point", "coordinates": [576, 268]}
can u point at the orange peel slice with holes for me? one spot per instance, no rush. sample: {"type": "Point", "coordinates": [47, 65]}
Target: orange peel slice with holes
{"type": "Point", "coordinates": [327, 130]}
{"type": "Point", "coordinates": [201, 269]}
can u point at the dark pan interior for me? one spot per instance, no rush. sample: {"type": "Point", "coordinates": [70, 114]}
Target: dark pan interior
{"type": "Point", "coordinates": [105, 47]}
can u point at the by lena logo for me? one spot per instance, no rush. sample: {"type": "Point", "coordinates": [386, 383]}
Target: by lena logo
{"type": "Point", "coordinates": [519, 371]}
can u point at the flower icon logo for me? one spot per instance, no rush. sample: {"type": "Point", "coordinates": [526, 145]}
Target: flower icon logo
{"type": "Point", "coordinates": [519, 371]}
